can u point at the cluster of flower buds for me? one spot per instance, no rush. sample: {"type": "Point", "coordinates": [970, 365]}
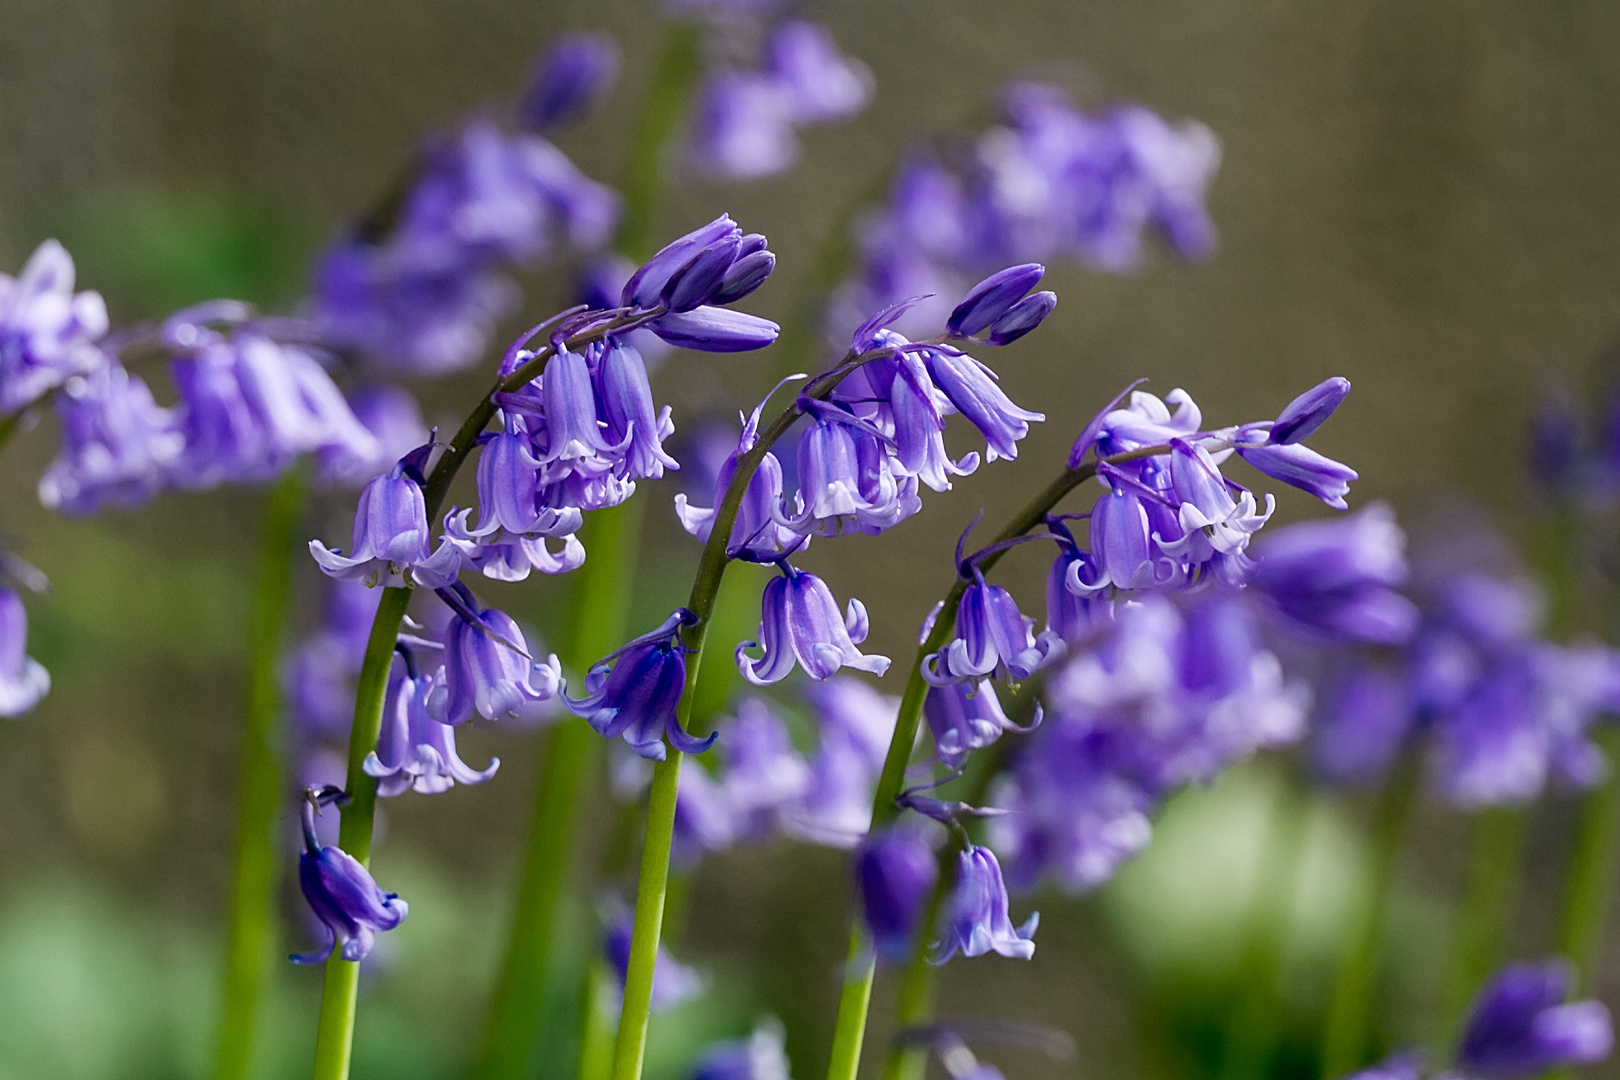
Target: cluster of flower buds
{"type": "Point", "coordinates": [1506, 709]}
{"type": "Point", "coordinates": [749, 107]}
{"type": "Point", "coordinates": [1048, 182]}
{"type": "Point", "coordinates": [418, 288]}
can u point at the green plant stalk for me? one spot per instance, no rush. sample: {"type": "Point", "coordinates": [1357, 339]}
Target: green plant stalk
{"type": "Point", "coordinates": [596, 1035]}
{"type": "Point", "coordinates": [334, 1038]}
{"type": "Point", "coordinates": [1590, 886]}
{"type": "Point", "coordinates": [854, 1001]}
{"type": "Point", "coordinates": [251, 931]}
{"type": "Point", "coordinates": [1488, 902]}
{"type": "Point", "coordinates": [599, 613]}
{"type": "Point", "coordinates": [1344, 1042]}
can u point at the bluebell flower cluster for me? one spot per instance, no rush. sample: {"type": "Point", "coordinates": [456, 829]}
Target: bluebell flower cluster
{"type": "Point", "coordinates": [1048, 182]}
{"type": "Point", "coordinates": [754, 99]}
{"type": "Point", "coordinates": [419, 288]}
{"type": "Point", "coordinates": [1504, 710]}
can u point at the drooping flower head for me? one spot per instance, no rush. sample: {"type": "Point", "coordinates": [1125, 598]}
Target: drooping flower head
{"type": "Point", "coordinates": [118, 444]}
{"type": "Point", "coordinates": [800, 624]}
{"type": "Point", "coordinates": [390, 532]}
{"type": "Point", "coordinates": [895, 870]}
{"type": "Point", "coordinates": [487, 666]}
{"type": "Point", "coordinates": [414, 751]}
{"type": "Point", "coordinates": [965, 717]}
{"type": "Point", "coordinates": [341, 893]}
{"type": "Point", "coordinates": [979, 921]}
{"type": "Point", "coordinates": [48, 333]}
{"type": "Point", "coordinates": [633, 692]}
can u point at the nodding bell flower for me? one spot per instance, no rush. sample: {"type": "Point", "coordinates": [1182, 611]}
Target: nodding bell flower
{"type": "Point", "coordinates": [673, 982]}
{"type": "Point", "coordinates": [979, 921]}
{"type": "Point", "coordinates": [633, 691]}
{"type": "Point", "coordinates": [761, 1056]}
{"type": "Point", "coordinates": [414, 751]}
{"type": "Point", "coordinates": [755, 535]}
{"type": "Point", "coordinates": [487, 668]}
{"type": "Point", "coordinates": [48, 333]}
{"type": "Point", "coordinates": [1302, 467]}
{"type": "Point", "coordinates": [573, 439]}
{"type": "Point", "coordinates": [1072, 613]}
{"type": "Point", "coordinates": [627, 408]}
{"type": "Point", "coordinates": [576, 72]}
{"type": "Point", "coordinates": [848, 481]}
{"type": "Point", "coordinates": [23, 680]}
{"type": "Point", "coordinates": [800, 622]}
{"type": "Point", "coordinates": [971, 388]}
{"type": "Point", "coordinates": [118, 444]}
{"type": "Point", "coordinates": [857, 725]}
{"type": "Point", "coordinates": [764, 774]}
{"type": "Point", "coordinates": [895, 870]}
{"type": "Point", "coordinates": [965, 717]}
{"type": "Point", "coordinates": [993, 638]}
{"type": "Point", "coordinates": [1521, 1026]}
{"type": "Point", "coordinates": [341, 893]}
{"type": "Point", "coordinates": [506, 556]}
{"type": "Point", "coordinates": [1212, 522]}
{"type": "Point", "coordinates": [390, 532]}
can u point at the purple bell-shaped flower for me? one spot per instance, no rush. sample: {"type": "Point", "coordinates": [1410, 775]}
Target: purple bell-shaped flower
{"type": "Point", "coordinates": [342, 895]}
{"type": "Point", "coordinates": [979, 921]}
{"type": "Point", "coordinates": [895, 870]}
{"type": "Point", "coordinates": [1520, 1025]}
{"type": "Point", "coordinates": [965, 717]}
{"type": "Point", "coordinates": [633, 692]}
{"type": "Point", "coordinates": [993, 638]}
{"type": "Point", "coordinates": [487, 668]}
{"type": "Point", "coordinates": [800, 623]}
{"type": "Point", "coordinates": [414, 751]}
{"type": "Point", "coordinates": [390, 533]}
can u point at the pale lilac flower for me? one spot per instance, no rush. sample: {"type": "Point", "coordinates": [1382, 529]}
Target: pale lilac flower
{"type": "Point", "coordinates": [118, 444]}
{"type": "Point", "coordinates": [993, 638]}
{"type": "Point", "coordinates": [390, 533]}
{"type": "Point", "coordinates": [414, 751]}
{"type": "Point", "coordinates": [978, 921]}
{"type": "Point", "coordinates": [800, 624]}
{"type": "Point", "coordinates": [487, 669]}
{"type": "Point", "coordinates": [965, 717]}
{"type": "Point", "coordinates": [48, 333]}
{"type": "Point", "coordinates": [743, 126]}
{"type": "Point", "coordinates": [820, 83]}
{"type": "Point", "coordinates": [765, 777]}
{"type": "Point", "coordinates": [23, 680]}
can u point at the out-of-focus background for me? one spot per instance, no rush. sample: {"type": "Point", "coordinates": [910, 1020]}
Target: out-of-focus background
{"type": "Point", "coordinates": [1424, 198]}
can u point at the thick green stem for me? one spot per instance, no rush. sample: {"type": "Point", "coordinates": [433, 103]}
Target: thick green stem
{"type": "Point", "coordinates": [334, 1038]}
{"type": "Point", "coordinates": [251, 932]}
{"type": "Point", "coordinates": [1591, 871]}
{"type": "Point", "coordinates": [1344, 1044]}
{"type": "Point", "coordinates": [599, 613]}
{"type": "Point", "coordinates": [1487, 907]}
{"type": "Point", "coordinates": [596, 1029]}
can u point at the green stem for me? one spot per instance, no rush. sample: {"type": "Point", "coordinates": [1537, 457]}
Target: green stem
{"type": "Point", "coordinates": [1488, 901]}
{"type": "Point", "coordinates": [334, 1037]}
{"type": "Point", "coordinates": [1344, 1044]}
{"type": "Point", "coordinates": [599, 613]}
{"type": "Point", "coordinates": [1591, 871]}
{"type": "Point", "coordinates": [596, 1034]}
{"type": "Point", "coordinates": [856, 997]}
{"type": "Point", "coordinates": [251, 931]}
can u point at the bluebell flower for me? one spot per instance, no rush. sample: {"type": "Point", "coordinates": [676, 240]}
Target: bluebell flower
{"type": "Point", "coordinates": [1520, 1025]}
{"type": "Point", "coordinates": [800, 623]}
{"type": "Point", "coordinates": [572, 75]}
{"type": "Point", "coordinates": [390, 533]}
{"type": "Point", "coordinates": [343, 896]}
{"type": "Point", "coordinates": [742, 126]}
{"type": "Point", "coordinates": [756, 534]}
{"type": "Point", "coordinates": [501, 556]}
{"type": "Point", "coordinates": [509, 491]}
{"type": "Point", "coordinates": [1303, 468]}
{"type": "Point", "coordinates": [414, 751]}
{"type": "Point", "coordinates": [319, 678]}
{"type": "Point", "coordinates": [965, 717]}
{"type": "Point", "coordinates": [118, 444]}
{"type": "Point", "coordinates": [992, 298]}
{"type": "Point", "coordinates": [487, 669]}
{"type": "Point", "coordinates": [1338, 578]}
{"type": "Point", "coordinates": [895, 870]}
{"type": "Point", "coordinates": [1073, 612]}
{"type": "Point", "coordinates": [978, 921]}
{"type": "Point", "coordinates": [48, 333]}
{"type": "Point", "coordinates": [627, 410]}
{"type": "Point", "coordinates": [993, 638]}
{"type": "Point", "coordinates": [1302, 416]}
{"type": "Point", "coordinates": [573, 438]}
{"type": "Point", "coordinates": [1364, 722]}
{"type": "Point", "coordinates": [1022, 318]}
{"type": "Point", "coordinates": [23, 680]}
{"type": "Point", "coordinates": [971, 387]}
{"type": "Point", "coordinates": [633, 692]}
{"type": "Point", "coordinates": [761, 1056]}
{"type": "Point", "coordinates": [715, 329]}
{"type": "Point", "coordinates": [849, 478]}
{"type": "Point", "coordinates": [673, 982]}
{"type": "Point", "coordinates": [645, 288]}
{"type": "Point", "coordinates": [765, 777]}
{"type": "Point", "coordinates": [704, 818]}
{"type": "Point", "coordinates": [820, 83]}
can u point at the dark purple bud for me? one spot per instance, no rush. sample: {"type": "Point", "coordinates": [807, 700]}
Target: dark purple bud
{"type": "Point", "coordinates": [895, 870]}
{"type": "Point", "coordinates": [744, 276]}
{"type": "Point", "coordinates": [571, 76]}
{"type": "Point", "coordinates": [1305, 469]}
{"type": "Point", "coordinates": [693, 284]}
{"type": "Point", "coordinates": [714, 329]}
{"type": "Point", "coordinates": [992, 298]}
{"type": "Point", "coordinates": [633, 692]}
{"type": "Point", "coordinates": [750, 243]}
{"type": "Point", "coordinates": [1023, 317]}
{"type": "Point", "coordinates": [647, 283]}
{"type": "Point", "coordinates": [1309, 411]}
{"type": "Point", "coordinates": [344, 897]}
{"type": "Point", "coordinates": [1520, 1026]}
